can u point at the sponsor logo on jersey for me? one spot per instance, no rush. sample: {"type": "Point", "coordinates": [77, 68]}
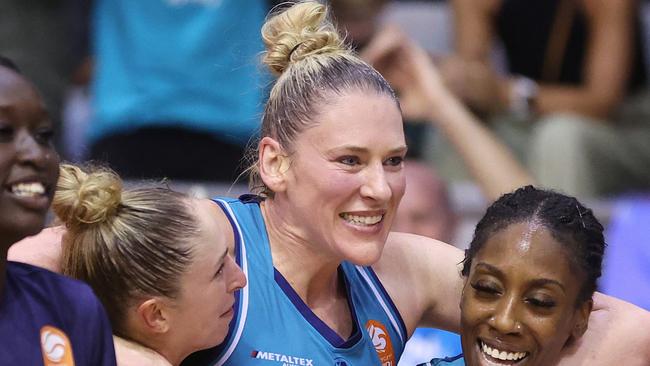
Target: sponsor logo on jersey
{"type": "Point", "coordinates": [339, 361]}
{"type": "Point", "coordinates": [56, 347]}
{"type": "Point", "coordinates": [381, 340]}
{"type": "Point", "coordinates": [285, 360]}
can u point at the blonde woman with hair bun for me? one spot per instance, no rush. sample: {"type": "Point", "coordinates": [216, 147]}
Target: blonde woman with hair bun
{"type": "Point", "coordinates": [328, 283]}
{"type": "Point", "coordinates": [157, 259]}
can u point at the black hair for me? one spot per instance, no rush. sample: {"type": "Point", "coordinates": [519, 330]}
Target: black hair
{"type": "Point", "coordinates": [8, 63]}
{"type": "Point", "coordinates": [570, 223]}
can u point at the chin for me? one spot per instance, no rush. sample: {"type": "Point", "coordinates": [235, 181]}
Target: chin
{"type": "Point", "coordinates": [366, 254]}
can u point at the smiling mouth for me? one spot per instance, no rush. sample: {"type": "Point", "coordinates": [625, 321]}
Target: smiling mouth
{"type": "Point", "coordinates": [28, 189]}
{"type": "Point", "coordinates": [360, 220]}
{"type": "Point", "coordinates": [501, 356]}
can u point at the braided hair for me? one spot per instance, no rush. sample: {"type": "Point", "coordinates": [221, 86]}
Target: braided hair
{"type": "Point", "coordinates": [569, 222]}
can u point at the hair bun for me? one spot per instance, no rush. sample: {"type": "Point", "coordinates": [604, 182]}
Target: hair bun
{"type": "Point", "coordinates": [298, 32]}
{"type": "Point", "coordinates": [86, 197]}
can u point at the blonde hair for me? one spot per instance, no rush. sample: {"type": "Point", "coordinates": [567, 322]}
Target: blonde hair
{"type": "Point", "coordinates": [312, 62]}
{"type": "Point", "coordinates": [124, 243]}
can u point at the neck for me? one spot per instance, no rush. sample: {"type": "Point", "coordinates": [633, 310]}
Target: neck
{"type": "Point", "coordinates": [305, 265]}
{"type": "Point", "coordinates": [3, 269]}
{"type": "Point", "coordinates": [130, 353]}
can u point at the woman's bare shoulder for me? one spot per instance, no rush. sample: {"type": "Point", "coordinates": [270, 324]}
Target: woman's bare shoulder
{"type": "Point", "coordinates": [41, 250]}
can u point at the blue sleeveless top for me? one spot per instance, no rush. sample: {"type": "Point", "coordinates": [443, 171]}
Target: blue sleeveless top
{"type": "Point", "coordinates": [273, 326]}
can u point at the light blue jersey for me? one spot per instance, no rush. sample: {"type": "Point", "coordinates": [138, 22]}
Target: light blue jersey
{"type": "Point", "coordinates": [273, 326]}
{"type": "Point", "coordinates": [179, 63]}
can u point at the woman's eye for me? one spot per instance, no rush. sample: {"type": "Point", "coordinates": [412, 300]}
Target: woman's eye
{"type": "Point", "coordinates": [349, 160]}
{"type": "Point", "coordinates": [394, 161]}
{"type": "Point", "coordinates": [541, 303]}
{"type": "Point", "coordinates": [44, 136]}
{"type": "Point", "coordinates": [485, 288]}
{"type": "Point", "coordinates": [220, 270]}
{"type": "Point", "coordinates": [6, 133]}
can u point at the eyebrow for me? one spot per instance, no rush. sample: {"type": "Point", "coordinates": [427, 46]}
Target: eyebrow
{"type": "Point", "coordinates": [358, 149]}
{"type": "Point", "coordinates": [537, 282]}
{"type": "Point", "coordinates": [8, 109]}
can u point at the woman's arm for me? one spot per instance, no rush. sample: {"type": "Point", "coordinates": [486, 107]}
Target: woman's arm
{"type": "Point", "coordinates": [606, 69]}
{"type": "Point", "coordinates": [422, 276]}
{"type": "Point", "coordinates": [423, 96]}
{"type": "Point", "coordinates": [607, 65]}
{"type": "Point", "coordinates": [617, 335]}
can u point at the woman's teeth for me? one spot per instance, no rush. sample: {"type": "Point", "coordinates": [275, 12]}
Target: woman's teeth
{"type": "Point", "coordinates": [502, 355]}
{"type": "Point", "coordinates": [28, 189]}
{"type": "Point", "coordinates": [361, 220]}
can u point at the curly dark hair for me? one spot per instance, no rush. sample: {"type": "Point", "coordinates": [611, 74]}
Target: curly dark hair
{"type": "Point", "coordinates": [570, 223]}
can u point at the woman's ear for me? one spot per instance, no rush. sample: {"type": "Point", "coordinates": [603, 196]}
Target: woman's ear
{"type": "Point", "coordinates": [274, 164]}
{"type": "Point", "coordinates": [583, 312]}
{"type": "Point", "coordinates": [154, 316]}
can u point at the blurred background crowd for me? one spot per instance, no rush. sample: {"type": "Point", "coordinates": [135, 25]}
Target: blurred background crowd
{"type": "Point", "coordinates": [174, 89]}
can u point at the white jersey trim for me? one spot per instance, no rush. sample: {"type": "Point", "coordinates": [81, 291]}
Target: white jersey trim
{"type": "Point", "coordinates": [381, 302]}
{"type": "Point", "coordinates": [244, 291]}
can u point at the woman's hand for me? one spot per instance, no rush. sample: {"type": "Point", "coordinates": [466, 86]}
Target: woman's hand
{"type": "Point", "coordinates": [409, 70]}
{"type": "Point", "coordinates": [476, 83]}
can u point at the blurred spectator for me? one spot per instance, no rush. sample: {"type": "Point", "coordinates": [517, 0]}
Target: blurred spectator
{"type": "Point", "coordinates": [426, 207]}
{"type": "Point", "coordinates": [177, 89]}
{"type": "Point", "coordinates": [361, 21]}
{"type": "Point", "coordinates": [47, 40]}
{"type": "Point", "coordinates": [570, 65]}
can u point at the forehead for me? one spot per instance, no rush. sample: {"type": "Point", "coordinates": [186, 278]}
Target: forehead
{"type": "Point", "coordinates": [358, 118]}
{"type": "Point", "coordinates": [17, 93]}
{"type": "Point", "coordinates": [528, 251]}
{"type": "Point", "coordinates": [211, 237]}
{"type": "Point", "coordinates": [14, 86]}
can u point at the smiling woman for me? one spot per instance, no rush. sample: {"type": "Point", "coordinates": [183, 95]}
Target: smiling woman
{"type": "Point", "coordinates": [530, 274]}
{"type": "Point", "coordinates": [44, 318]}
{"type": "Point", "coordinates": [27, 159]}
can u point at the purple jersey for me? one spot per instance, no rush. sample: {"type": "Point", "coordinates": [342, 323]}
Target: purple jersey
{"type": "Point", "coordinates": [47, 319]}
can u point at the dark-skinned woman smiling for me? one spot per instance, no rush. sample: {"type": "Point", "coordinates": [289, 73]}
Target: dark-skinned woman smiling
{"type": "Point", "coordinates": [530, 273]}
{"type": "Point", "coordinates": [45, 319]}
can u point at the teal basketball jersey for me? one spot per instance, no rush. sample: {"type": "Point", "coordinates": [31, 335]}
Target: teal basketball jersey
{"type": "Point", "coordinates": [273, 326]}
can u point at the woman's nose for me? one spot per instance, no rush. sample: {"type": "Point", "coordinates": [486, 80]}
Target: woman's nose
{"type": "Point", "coordinates": [505, 318]}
